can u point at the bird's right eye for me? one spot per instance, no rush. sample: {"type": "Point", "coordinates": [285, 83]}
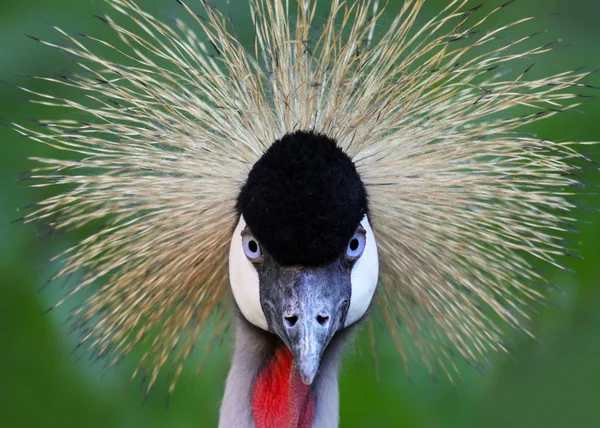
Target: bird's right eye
{"type": "Point", "coordinates": [251, 248]}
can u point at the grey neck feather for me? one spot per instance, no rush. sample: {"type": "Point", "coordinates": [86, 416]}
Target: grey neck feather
{"type": "Point", "coordinates": [253, 347]}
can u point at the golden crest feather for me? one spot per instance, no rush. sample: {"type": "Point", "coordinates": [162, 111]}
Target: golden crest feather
{"type": "Point", "coordinates": [175, 117]}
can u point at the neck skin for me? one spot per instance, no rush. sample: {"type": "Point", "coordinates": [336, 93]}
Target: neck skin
{"type": "Point", "coordinates": [258, 354]}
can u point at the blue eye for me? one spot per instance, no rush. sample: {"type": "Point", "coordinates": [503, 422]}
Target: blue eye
{"type": "Point", "coordinates": [356, 246]}
{"type": "Point", "coordinates": [251, 248]}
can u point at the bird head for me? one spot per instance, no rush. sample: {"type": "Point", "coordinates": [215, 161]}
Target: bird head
{"type": "Point", "coordinates": [303, 259]}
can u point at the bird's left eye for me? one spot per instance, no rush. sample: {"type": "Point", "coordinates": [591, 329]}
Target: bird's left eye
{"type": "Point", "coordinates": [356, 246]}
{"type": "Point", "coordinates": [252, 248]}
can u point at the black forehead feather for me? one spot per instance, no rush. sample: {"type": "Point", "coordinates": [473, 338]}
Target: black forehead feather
{"type": "Point", "coordinates": [303, 199]}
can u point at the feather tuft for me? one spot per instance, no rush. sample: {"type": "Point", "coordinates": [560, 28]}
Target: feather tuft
{"type": "Point", "coordinates": [171, 119]}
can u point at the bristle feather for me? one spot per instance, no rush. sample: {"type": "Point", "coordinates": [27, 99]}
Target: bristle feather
{"type": "Point", "coordinates": [175, 121]}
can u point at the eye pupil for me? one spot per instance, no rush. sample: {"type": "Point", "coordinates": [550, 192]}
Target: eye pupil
{"type": "Point", "coordinates": [354, 244]}
{"type": "Point", "coordinates": [253, 246]}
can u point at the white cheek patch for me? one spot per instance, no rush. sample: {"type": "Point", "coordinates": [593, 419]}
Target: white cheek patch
{"type": "Point", "coordinates": [244, 280]}
{"type": "Point", "coordinates": [365, 274]}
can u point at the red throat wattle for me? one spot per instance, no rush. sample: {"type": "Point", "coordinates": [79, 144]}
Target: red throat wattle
{"type": "Point", "coordinates": [279, 398]}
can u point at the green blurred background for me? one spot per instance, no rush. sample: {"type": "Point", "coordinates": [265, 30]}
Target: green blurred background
{"type": "Point", "coordinates": [551, 382]}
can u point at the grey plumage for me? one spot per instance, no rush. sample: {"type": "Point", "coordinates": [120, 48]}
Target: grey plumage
{"type": "Point", "coordinates": [251, 350]}
{"type": "Point", "coordinates": [249, 354]}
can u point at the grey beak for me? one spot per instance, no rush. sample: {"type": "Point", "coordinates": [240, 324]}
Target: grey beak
{"type": "Point", "coordinates": [308, 367]}
{"type": "Point", "coordinates": [306, 308]}
{"type": "Point", "coordinates": [307, 334]}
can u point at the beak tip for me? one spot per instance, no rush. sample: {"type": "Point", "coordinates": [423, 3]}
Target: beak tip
{"type": "Point", "coordinates": [308, 379]}
{"type": "Point", "coordinates": [308, 372]}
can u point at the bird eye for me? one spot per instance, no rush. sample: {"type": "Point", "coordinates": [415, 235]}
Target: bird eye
{"type": "Point", "coordinates": [252, 248]}
{"type": "Point", "coordinates": [356, 246]}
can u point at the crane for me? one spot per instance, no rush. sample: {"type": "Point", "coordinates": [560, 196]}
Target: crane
{"type": "Point", "coordinates": [316, 178]}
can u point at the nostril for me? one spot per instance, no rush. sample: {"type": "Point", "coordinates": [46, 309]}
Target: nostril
{"type": "Point", "coordinates": [322, 319]}
{"type": "Point", "coordinates": [291, 321]}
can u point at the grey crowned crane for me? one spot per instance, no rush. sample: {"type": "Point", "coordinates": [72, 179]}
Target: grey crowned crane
{"type": "Point", "coordinates": [326, 161]}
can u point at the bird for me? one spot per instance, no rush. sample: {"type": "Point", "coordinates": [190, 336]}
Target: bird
{"type": "Point", "coordinates": [334, 172]}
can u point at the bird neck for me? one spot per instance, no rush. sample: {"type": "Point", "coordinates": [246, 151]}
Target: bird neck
{"type": "Point", "coordinates": [279, 398]}
{"type": "Point", "coordinates": [264, 389]}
